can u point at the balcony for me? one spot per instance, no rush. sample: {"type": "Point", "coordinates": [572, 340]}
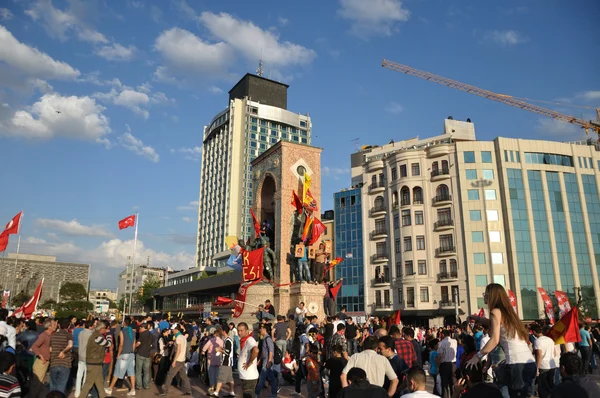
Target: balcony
{"type": "Point", "coordinates": [381, 281]}
{"type": "Point", "coordinates": [380, 258]}
{"type": "Point", "coordinates": [442, 200]}
{"type": "Point", "coordinates": [377, 211]}
{"type": "Point", "coordinates": [383, 306]}
{"type": "Point", "coordinates": [437, 150]}
{"type": "Point", "coordinates": [443, 224]}
{"type": "Point", "coordinates": [446, 304]}
{"type": "Point", "coordinates": [405, 202]}
{"type": "Point", "coordinates": [377, 187]}
{"type": "Point", "coordinates": [445, 251]}
{"type": "Point", "coordinates": [374, 165]}
{"type": "Point", "coordinates": [440, 174]}
{"type": "Point", "coordinates": [379, 233]}
{"type": "Point", "coordinates": [448, 276]}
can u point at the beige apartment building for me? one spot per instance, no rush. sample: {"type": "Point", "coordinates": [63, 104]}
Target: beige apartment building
{"type": "Point", "coordinates": [444, 216]}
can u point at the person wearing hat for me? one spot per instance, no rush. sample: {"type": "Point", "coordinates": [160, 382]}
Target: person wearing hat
{"type": "Point", "coordinates": [178, 364]}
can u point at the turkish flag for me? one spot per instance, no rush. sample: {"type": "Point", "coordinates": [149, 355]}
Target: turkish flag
{"type": "Point", "coordinates": [223, 301]}
{"type": "Point", "coordinates": [513, 300]}
{"type": "Point", "coordinates": [13, 225]}
{"type": "Point", "coordinates": [3, 241]}
{"type": "Point", "coordinates": [127, 222]}
{"type": "Point", "coordinates": [547, 304]}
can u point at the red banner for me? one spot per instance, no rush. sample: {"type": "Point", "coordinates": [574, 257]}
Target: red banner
{"type": "Point", "coordinates": [563, 303]}
{"type": "Point", "coordinates": [223, 301]}
{"type": "Point", "coordinates": [513, 301]}
{"type": "Point", "coordinates": [27, 309]}
{"type": "Point", "coordinates": [241, 298]}
{"type": "Point", "coordinates": [252, 264]}
{"type": "Point", "coordinates": [547, 304]}
{"type": "Point", "coordinates": [566, 329]}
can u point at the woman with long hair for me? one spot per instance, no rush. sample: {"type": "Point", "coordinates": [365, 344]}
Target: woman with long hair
{"type": "Point", "coordinates": [165, 342]}
{"type": "Point", "coordinates": [506, 329]}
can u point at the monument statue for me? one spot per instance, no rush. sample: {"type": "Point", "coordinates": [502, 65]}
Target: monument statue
{"type": "Point", "coordinates": [269, 262]}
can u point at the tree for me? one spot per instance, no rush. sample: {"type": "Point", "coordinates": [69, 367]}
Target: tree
{"type": "Point", "coordinates": [20, 299]}
{"type": "Point", "coordinates": [48, 303]}
{"type": "Point", "coordinates": [71, 291]}
{"type": "Point", "coordinates": [112, 304]}
{"type": "Point", "coordinates": [145, 292]}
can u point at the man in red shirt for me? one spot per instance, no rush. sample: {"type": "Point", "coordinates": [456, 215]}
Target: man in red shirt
{"type": "Point", "coordinates": [41, 349]}
{"type": "Point", "coordinates": [404, 348]}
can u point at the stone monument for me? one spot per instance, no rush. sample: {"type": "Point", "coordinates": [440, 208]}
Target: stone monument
{"type": "Point", "coordinates": [275, 175]}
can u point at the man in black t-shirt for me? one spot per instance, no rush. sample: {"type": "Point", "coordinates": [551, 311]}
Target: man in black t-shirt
{"type": "Point", "coordinates": [351, 333]}
{"type": "Point", "coordinates": [143, 345]}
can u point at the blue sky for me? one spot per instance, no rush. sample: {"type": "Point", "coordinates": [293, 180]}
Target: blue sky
{"type": "Point", "coordinates": [136, 81]}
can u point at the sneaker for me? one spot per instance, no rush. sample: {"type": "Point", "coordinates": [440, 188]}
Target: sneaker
{"type": "Point", "coordinates": [131, 393]}
{"type": "Point", "coordinates": [108, 391]}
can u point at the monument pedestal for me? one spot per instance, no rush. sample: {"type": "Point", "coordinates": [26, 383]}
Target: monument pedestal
{"type": "Point", "coordinates": [255, 296]}
{"type": "Point", "coordinates": [312, 296]}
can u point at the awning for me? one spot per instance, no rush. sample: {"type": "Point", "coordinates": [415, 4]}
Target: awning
{"type": "Point", "coordinates": [213, 282]}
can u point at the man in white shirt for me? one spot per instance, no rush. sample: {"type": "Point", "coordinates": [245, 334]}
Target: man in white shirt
{"type": "Point", "coordinates": [415, 379]}
{"type": "Point", "coordinates": [447, 355]}
{"type": "Point", "coordinates": [247, 364]}
{"type": "Point", "coordinates": [376, 366]}
{"type": "Point", "coordinates": [11, 334]}
{"type": "Point", "coordinates": [543, 348]}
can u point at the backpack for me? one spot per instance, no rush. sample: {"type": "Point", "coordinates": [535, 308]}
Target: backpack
{"type": "Point", "coordinates": [277, 355]}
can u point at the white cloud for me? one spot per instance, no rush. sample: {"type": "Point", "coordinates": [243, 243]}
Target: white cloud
{"type": "Point", "coordinates": [135, 145]}
{"type": "Point", "coordinates": [190, 206]}
{"type": "Point", "coordinates": [374, 17]}
{"type": "Point", "coordinates": [253, 42]}
{"type": "Point", "coordinates": [5, 14]}
{"type": "Point", "coordinates": [505, 38]}
{"type": "Point", "coordinates": [282, 21]}
{"type": "Point", "coordinates": [156, 14]}
{"type": "Point", "coordinates": [30, 61]}
{"type": "Point", "coordinates": [334, 171]}
{"type": "Point", "coordinates": [57, 116]}
{"type": "Point", "coordinates": [35, 241]}
{"type": "Point", "coordinates": [589, 95]}
{"type": "Point", "coordinates": [116, 52]}
{"type": "Point", "coordinates": [194, 153]}
{"type": "Point", "coordinates": [73, 228]}
{"type": "Point", "coordinates": [186, 10]}
{"type": "Point", "coordinates": [137, 101]}
{"type": "Point", "coordinates": [187, 219]}
{"type": "Point", "coordinates": [553, 128]}
{"type": "Point", "coordinates": [215, 90]}
{"type": "Point", "coordinates": [394, 107]}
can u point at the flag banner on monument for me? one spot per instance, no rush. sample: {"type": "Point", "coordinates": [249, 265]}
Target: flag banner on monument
{"type": "Point", "coordinates": [318, 228]}
{"type": "Point", "coordinates": [305, 186]}
{"type": "Point", "coordinates": [307, 224]}
{"type": "Point", "coordinates": [513, 301]}
{"type": "Point", "coordinates": [547, 304]}
{"type": "Point", "coordinates": [566, 330]}
{"type": "Point", "coordinates": [3, 242]}
{"type": "Point", "coordinates": [563, 303]}
{"type": "Point", "coordinates": [223, 301]}
{"type": "Point", "coordinates": [252, 264]}
{"type": "Point", "coordinates": [310, 202]}
{"type": "Point", "coordinates": [296, 202]}
{"type": "Point", "coordinates": [27, 309]}
{"type": "Point", "coordinates": [13, 225]}
{"type": "Point", "coordinates": [240, 299]}
{"type": "Point", "coordinates": [333, 263]}
{"type": "Point", "coordinates": [235, 262]}
{"type": "Point", "coordinates": [127, 222]}
{"type": "Point", "coordinates": [256, 223]}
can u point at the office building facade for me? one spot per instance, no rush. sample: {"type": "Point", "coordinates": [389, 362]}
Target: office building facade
{"type": "Point", "coordinates": [255, 119]}
{"type": "Point", "coordinates": [128, 284]}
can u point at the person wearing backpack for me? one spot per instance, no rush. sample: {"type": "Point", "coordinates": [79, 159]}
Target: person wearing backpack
{"type": "Point", "coordinates": [266, 361]}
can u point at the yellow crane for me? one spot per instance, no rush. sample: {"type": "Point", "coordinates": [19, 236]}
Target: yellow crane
{"type": "Point", "coordinates": [505, 99]}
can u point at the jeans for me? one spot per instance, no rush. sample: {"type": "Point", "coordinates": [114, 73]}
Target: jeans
{"type": "Point", "coordinates": [142, 365]}
{"type": "Point", "coordinates": [93, 378]}
{"type": "Point", "coordinates": [352, 346]}
{"type": "Point", "coordinates": [59, 376]}
{"type": "Point", "coordinates": [271, 376]}
{"type": "Point", "coordinates": [518, 377]}
{"type": "Point", "coordinates": [179, 368]}
{"type": "Point", "coordinates": [80, 379]}
{"type": "Point", "coordinates": [319, 270]}
{"type": "Point", "coordinates": [446, 372]}
{"type": "Point", "coordinates": [299, 375]}
{"type": "Point", "coordinates": [546, 382]}
{"type": "Point", "coordinates": [586, 353]}
{"type": "Point", "coordinates": [303, 270]}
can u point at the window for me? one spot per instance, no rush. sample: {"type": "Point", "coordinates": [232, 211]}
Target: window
{"type": "Point", "coordinates": [397, 221]}
{"type": "Point", "coordinates": [469, 157]}
{"type": "Point", "coordinates": [410, 296]}
{"type": "Point", "coordinates": [403, 171]}
{"type": "Point", "coordinates": [488, 174]}
{"type": "Point", "coordinates": [444, 294]}
{"type": "Point", "coordinates": [398, 268]}
{"type": "Point", "coordinates": [415, 169]}
{"type": "Point", "coordinates": [497, 258]}
{"type": "Point", "coordinates": [405, 196]}
{"type": "Point", "coordinates": [476, 236]}
{"type": "Point", "coordinates": [499, 279]}
{"type": "Point", "coordinates": [442, 192]}
{"type": "Point", "coordinates": [481, 280]}
{"type": "Point", "coordinates": [420, 242]}
{"type": "Point", "coordinates": [397, 245]}
{"type": "Point", "coordinates": [492, 215]}
{"type": "Point", "coordinates": [444, 216]}
{"type": "Point", "coordinates": [548, 158]}
{"type": "Point", "coordinates": [395, 199]}
{"type": "Point", "coordinates": [379, 204]}
{"type": "Point", "coordinates": [380, 225]}
{"type": "Point", "coordinates": [475, 215]}
{"type": "Point", "coordinates": [422, 264]}
{"type": "Point", "coordinates": [446, 242]}
{"type": "Point", "coordinates": [381, 249]}
{"type": "Point", "coordinates": [408, 244]}
{"type": "Point", "coordinates": [419, 217]}
{"type": "Point", "coordinates": [405, 218]}
{"type": "Point", "coordinates": [480, 302]}
{"type": "Point", "coordinates": [486, 157]}
{"type": "Point", "coordinates": [471, 174]}
{"type": "Point", "coordinates": [417, 196]}
{"type": "Point", "coordinates": [495, 236]}
{"type": "Point", "coordinates": [386, 298]}
{"type": "Point", "coordinates": [479, 258]}
{"type": "Point", "coordinates": [399, 295]}
{"type": "Point", "coordinates": [453, 268]}
{"type": "Point", "coordinates": [302, 123]}
{"type": "Point", "coordinates": [443, 267]}
{"type": "Point", "coordinates": [490, 194]}
{"type": "Point", "coordinates": [424, 294]}
{"type": "Point", "coordinates": [473, 194]}
{"type": "Point", "coordinates": [394, 174]}
{"type": "Point", "coordinates": [408, 268]}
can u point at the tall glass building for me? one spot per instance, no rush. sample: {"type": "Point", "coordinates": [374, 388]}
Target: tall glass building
{"type": "Point", "coordinates": [349, 246]}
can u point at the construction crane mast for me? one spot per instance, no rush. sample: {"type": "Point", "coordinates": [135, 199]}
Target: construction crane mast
{"type": "Point", "coordinates": [505, 99]}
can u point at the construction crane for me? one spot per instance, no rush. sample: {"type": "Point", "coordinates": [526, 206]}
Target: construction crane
{"type": "Point", "coordinates": [505, 99]}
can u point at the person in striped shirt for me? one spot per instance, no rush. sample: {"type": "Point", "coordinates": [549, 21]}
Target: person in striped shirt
{"type": "Point", "coordinates": [225, 370]}
{"type": "Point", "coordinates": [9, 385]}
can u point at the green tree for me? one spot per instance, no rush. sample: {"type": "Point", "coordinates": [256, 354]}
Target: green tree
{"type": "Point", "coordinates": [112, 304]}
{"type": "Point", "coordinates": [71, 291]}
{"type": "Point", "coordinates": [145, 292]}
{"type": "Point", "coordinates": [20, 299]}
{"type": "Point", "coordinates": [49, 303]}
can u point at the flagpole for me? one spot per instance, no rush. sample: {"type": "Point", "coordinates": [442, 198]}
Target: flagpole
{"type": "Point", "coordinates": [137, 221]}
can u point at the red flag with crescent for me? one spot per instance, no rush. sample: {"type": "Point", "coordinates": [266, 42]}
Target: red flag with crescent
{"type": "Point", "coordinates": [563, 303]}
{"type": "Point", "coordinates": [513, 301]}
{"type": "Point", "coordinates": [127, 222]}
{"type": "Point", "coordinates": [13, 225]}
{"type": "Point", "coordinates": [547, 304]}
{"type": "Point", "coordinates": [3, 242]}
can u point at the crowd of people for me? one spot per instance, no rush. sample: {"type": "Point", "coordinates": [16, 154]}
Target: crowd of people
{"type": "Point", "coordinates": [497, 356]}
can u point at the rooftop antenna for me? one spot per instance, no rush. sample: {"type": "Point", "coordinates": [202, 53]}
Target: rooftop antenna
{"type": "Point", "coordinates": [259, 71]}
